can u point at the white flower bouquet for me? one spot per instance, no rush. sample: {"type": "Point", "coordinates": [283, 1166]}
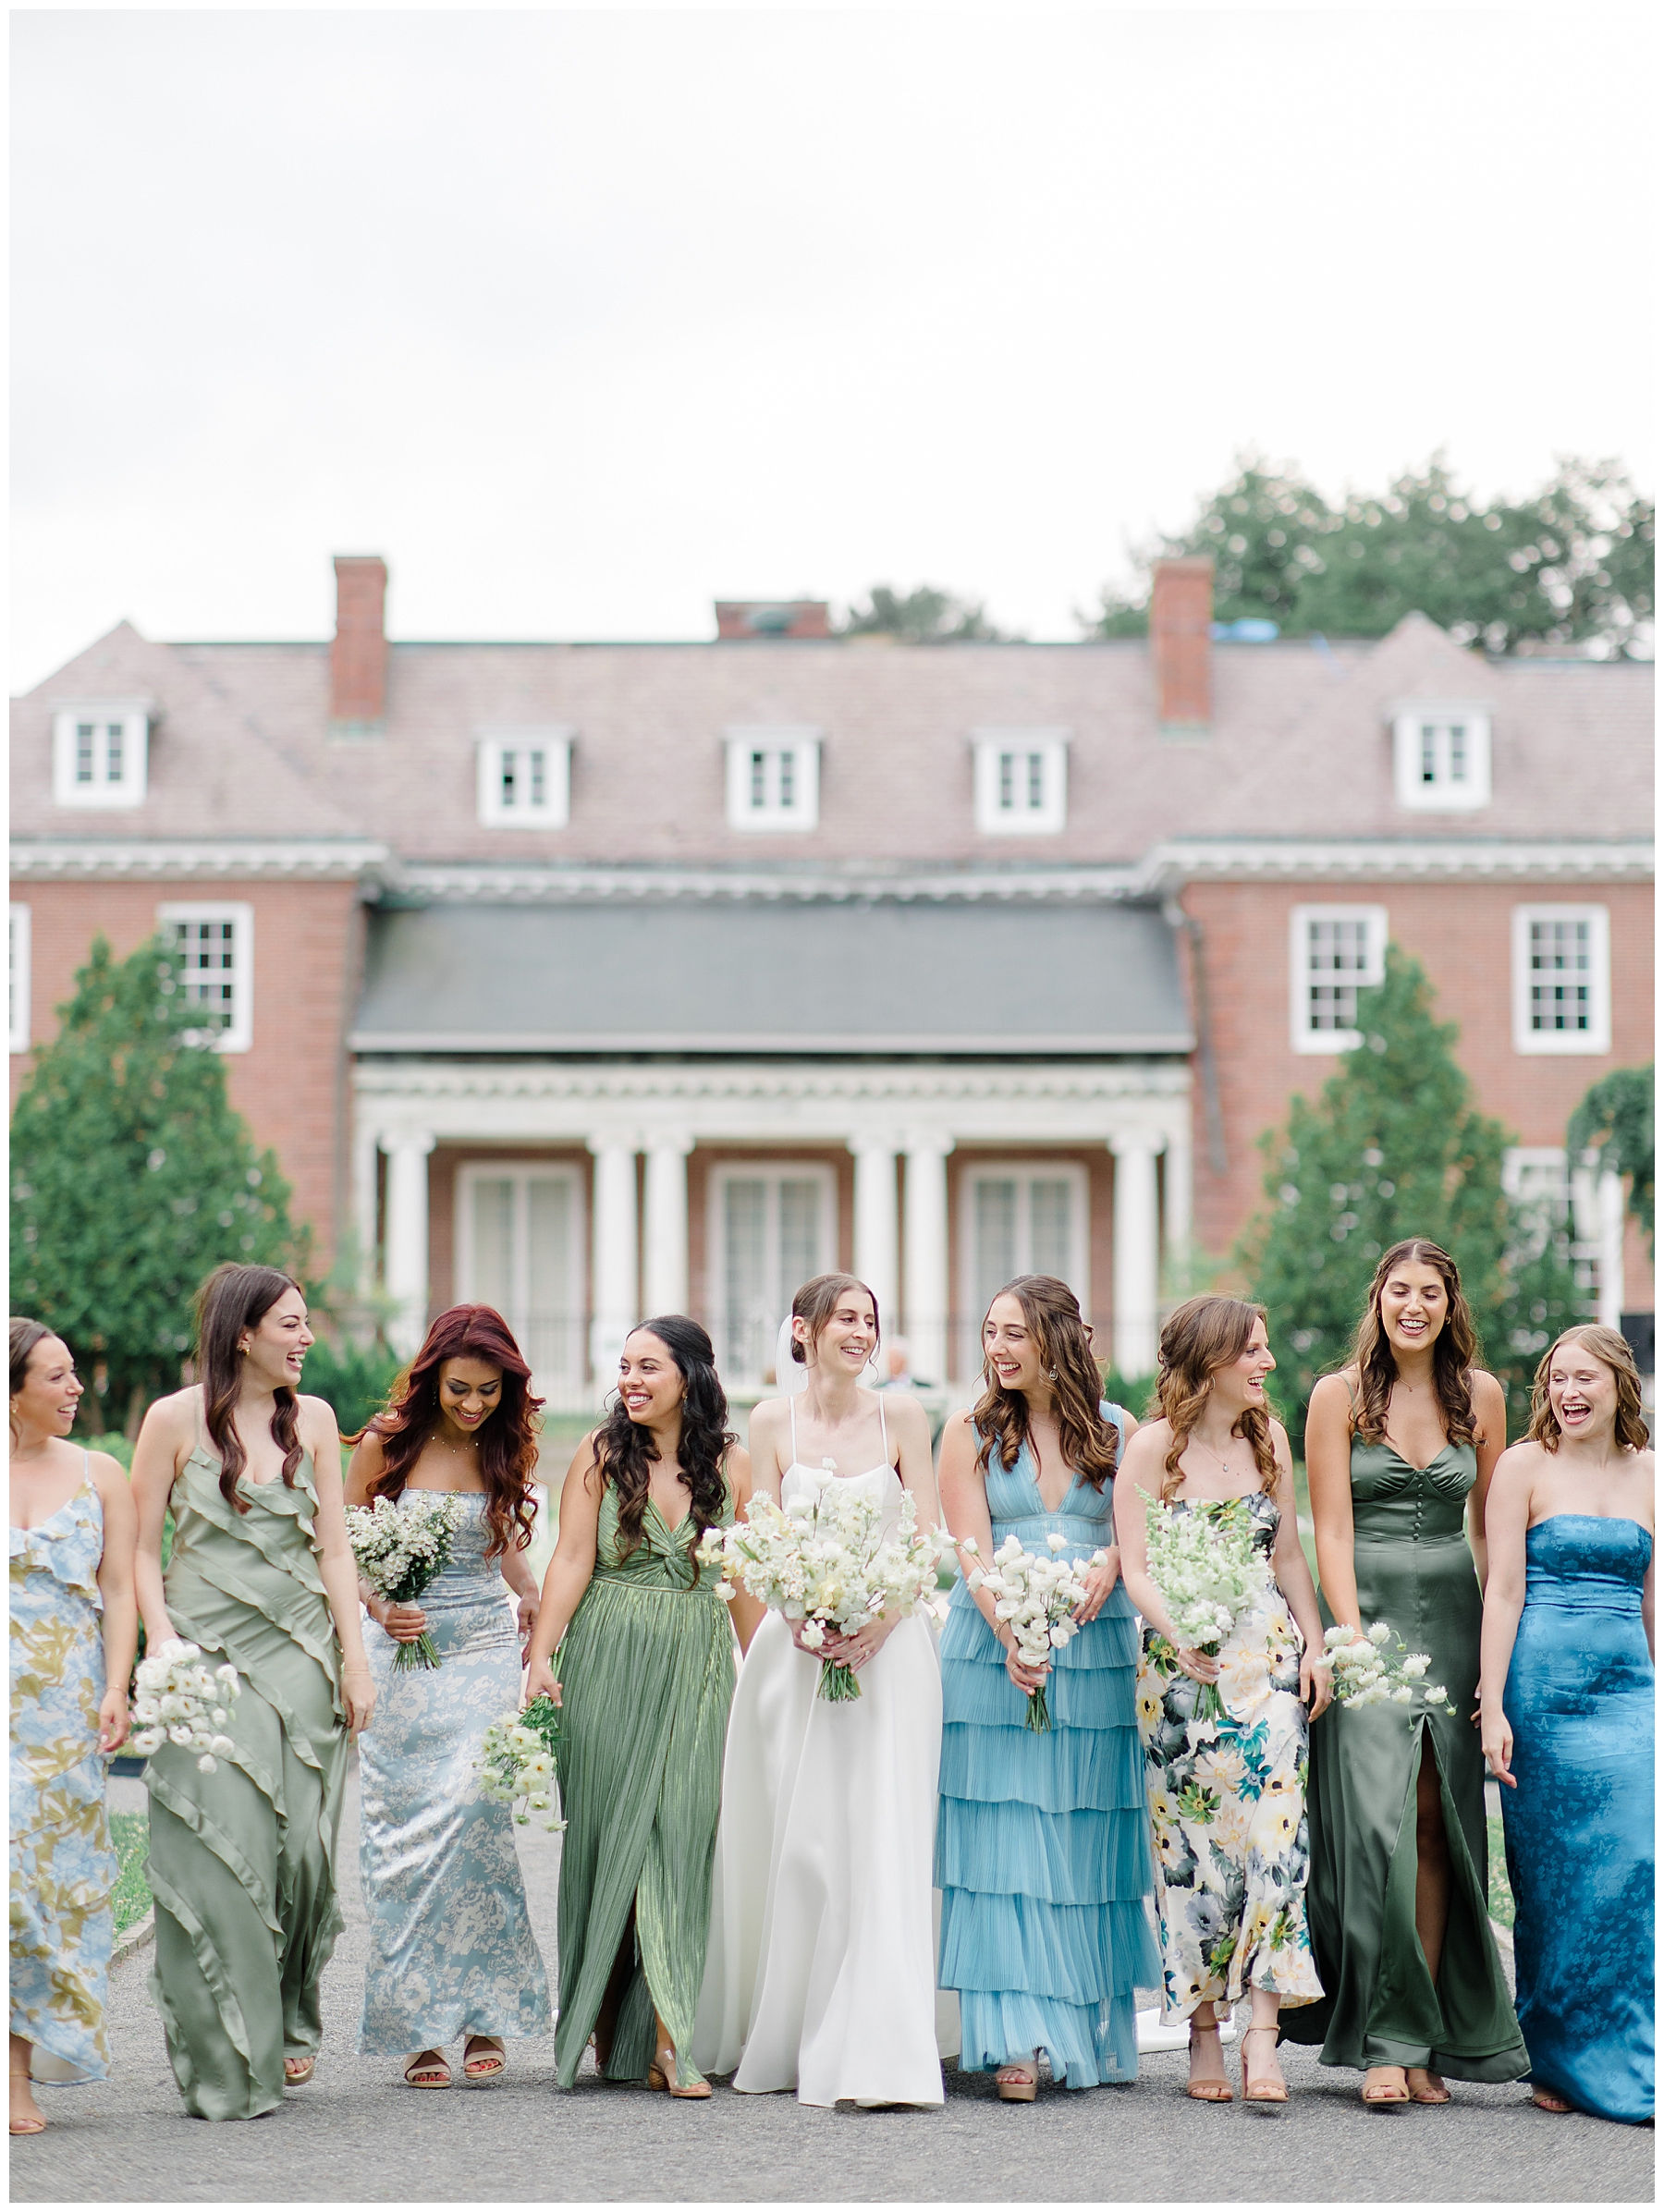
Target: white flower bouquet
{"type": "Point", "coordinates": [177, 1699]}
{"type": "Point", "coordinates": [1208, 1571]}
{"type": "Point", "coordinates": [401, 1547]}
{"type": "Point", "coordinates": [517, 1761]}
{"type": "Point", "coordinates": [1366, 1675]}
{"type": "Point", "coordinates": [1035, 1594]}
{"type": "Point", "coordinates": [822, 1560]}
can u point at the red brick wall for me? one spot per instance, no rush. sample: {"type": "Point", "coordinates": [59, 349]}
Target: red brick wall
{"type": "Point", "coordinates": [1461, 933]}
{"type": "Point", "coordinates": [292, 1084]}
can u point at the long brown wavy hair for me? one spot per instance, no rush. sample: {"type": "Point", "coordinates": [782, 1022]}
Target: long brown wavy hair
{"type": "Point", "coordinates": [234, 1298]}
{"type": "Point", "coordinates": [25, 1335]}
{"type": "Point", "coordinates": [1612, 1351]}
{"type": "Point", "coordinates": [625, 1450]}
{"type": "Point", "coordinates": [1091, 1445]}
{"type": "Point", "coordinates": [1455, 1349]}
{"type": "Point", "coordinates": [507, 1437]}
{"type": "Point", "coordinates": [1202, 1336]}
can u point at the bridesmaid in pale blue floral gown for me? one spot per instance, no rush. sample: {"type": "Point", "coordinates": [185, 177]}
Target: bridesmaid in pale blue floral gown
{"type": "Point", "coordinates": [452, 1955]}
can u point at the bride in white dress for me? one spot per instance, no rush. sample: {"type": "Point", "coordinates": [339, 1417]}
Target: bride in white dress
{"type": "Point", "coordinates": [821, 1971]}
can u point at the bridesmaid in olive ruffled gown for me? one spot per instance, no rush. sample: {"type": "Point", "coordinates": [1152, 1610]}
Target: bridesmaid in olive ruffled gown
{"type": "Point", "coordinates": [1398, 1446]}
{"type": "Point", "coordinates": [241, 1862]}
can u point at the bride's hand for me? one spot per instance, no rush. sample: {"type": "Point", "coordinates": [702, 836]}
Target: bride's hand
{"type": "Point", "coordinates": [865, 1643]}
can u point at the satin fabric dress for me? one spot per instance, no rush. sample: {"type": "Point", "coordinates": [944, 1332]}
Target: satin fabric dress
{"type": "Point", "coordinates": [242, 1860]}
{"type": "Point", "coordinates": [647, 1674]}
{"type": "Point", "coordinates": [1415, 1572]}
{"type": "Point", "coordinates": [1578, 1823]}
{"type": "Point", "coordinates": [1227, 1797]}
{"type": "Point", "coordinates": [63, 1868]}
{"type": "Point", "coordinates": [451, 1947]}
{"type": "Point", "coordinates": [1043, 1853]}
{"type": "Point", "coordinates": [821, 1973]}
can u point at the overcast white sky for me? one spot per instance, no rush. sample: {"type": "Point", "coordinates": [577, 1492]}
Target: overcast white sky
{"type": "Point", "coordinates": [584, 319]}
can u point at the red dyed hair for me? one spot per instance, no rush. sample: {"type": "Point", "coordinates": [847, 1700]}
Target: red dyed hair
{"type": "Point", "coordinates": [507, 1437]}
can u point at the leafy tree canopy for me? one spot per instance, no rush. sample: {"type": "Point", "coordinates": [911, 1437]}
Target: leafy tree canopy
{"type": "Point", "coordinates": [1392, 1148]}
{"type": "Point", "coordinates": [922, 617]}
{"type": "Point", "coordinates": [131, 1179]}
{"type": "Point", "coordinates": [1615, 1117]}
{"type": "Point", "coordinates": [1569, 565]}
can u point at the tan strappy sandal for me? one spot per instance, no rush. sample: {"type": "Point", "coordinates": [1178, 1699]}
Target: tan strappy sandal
{"type": "Point", "coordinates": [1019, 2083]}
{"type": "Point", "coordinates": [429, 2070]}
{"type": "Point", "coordinates": [1213, 2089]}
{"type": "Point", "coordinates": [1262, 2089]}
{"type": "Point", "coordinates": [482, 2058]}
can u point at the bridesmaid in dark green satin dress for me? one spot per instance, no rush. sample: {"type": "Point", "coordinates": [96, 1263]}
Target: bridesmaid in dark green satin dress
{"type": "Point", "coordinates": [1399, 1448]}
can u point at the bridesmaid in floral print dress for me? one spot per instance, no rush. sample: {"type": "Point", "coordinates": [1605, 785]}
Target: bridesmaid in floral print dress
{"type": "Point", "coordinates": [1226, 1789]}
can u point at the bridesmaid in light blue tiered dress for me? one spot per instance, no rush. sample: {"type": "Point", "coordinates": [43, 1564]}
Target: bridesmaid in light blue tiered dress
{"type": "Point", "coordinates": [1042, 1843]}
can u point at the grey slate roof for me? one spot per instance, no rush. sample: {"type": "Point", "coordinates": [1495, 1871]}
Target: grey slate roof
{"type": "Point", "coordinates": [819, 977]}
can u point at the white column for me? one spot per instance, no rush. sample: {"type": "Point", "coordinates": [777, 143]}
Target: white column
{"type": "Point", "coordinates": [1608, 1212]}
{"type": "Point", "coordinates": [613, 1267]}
{"type": "Point", "coordinates": [366, 1153]}
{"type": "Point", "coordinates": [876, 1221]}
{"type": "Point", "coordinates": [1176, 1195]}
{"type": "Point", "coordinates": [407, 1263]}
{"type": "Point", "coordinates": [667, 1224]}
{"type": "Point", "coordinates": [1137, 1260]}
{"type": "Point", "coordinates": [924, 1200]}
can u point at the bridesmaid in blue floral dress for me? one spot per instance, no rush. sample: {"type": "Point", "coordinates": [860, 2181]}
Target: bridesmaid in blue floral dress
{"type": "Point", "coordinates": [74, 1625]}
{"type": "Point", "coordinates": [452, 1955]}
{"type": "Point", "coordinates": [1041, 1845]}
{"type": "Point", "coordinates": [1566, 1720]}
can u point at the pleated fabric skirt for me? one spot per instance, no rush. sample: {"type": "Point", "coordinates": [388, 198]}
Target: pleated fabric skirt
{"type": "Point", "coordinates": [647, 1676]}
{"type": "Point", "coordinates": [1043, 1853]}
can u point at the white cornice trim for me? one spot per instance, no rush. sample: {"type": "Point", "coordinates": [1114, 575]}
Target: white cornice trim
{"type": "Point", "coordinates": [1169, 866]}
{"type": "Point", "coordinates": [895, 1080]}
{"type": "Point", "coordinates": [169, 860]}
{"type": "Point", "coordinates": [506, 882]}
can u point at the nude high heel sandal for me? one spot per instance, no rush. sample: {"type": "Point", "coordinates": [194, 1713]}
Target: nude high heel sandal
{"type": "Point", "coordinates": [1022, 2087]}
{"type": "Point", "coordinates": [1265, 2089]}
{"type": "Point", "coordinates": [1215, 2089]}
{"type": "Point", "coordinates": [661, 2075]}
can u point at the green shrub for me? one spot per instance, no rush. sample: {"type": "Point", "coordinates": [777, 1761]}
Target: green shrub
{"type": "Point", "coordinates": [356, 1383]}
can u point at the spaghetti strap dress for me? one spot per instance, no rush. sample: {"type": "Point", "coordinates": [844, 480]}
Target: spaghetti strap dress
{"type": "Point", "coordinates": [1379, 2007]}
{"type": "Point", "coordinates": [63, 1868]}
{"type": "Point", "coordinates": [242, 1860]}
{"type": "Point", "coordinates": [646, 1677]}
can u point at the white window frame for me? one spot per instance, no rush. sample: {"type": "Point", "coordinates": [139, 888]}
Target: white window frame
{"type": "Point", "coordinates": [1443, 735]}
{"type": "Point", "coordinates": [1597, 1037]}
{"type": "Point", "coordinates": [566, 1390]}
{"type": "Point", "coordinates": [1035, 1168]}
{"type": "Point", "coordinates": [99, 789]}
{"type": "Point", "coordinates": [18, 977]}
{"type": "Point", "coordinates": [784, 793]}
{"type": "Point", "coordinates": [1021, 781]}
{"type": "Point", "coordinates": [239, 1033]}
{"type": "Point", "coordinates": [552, 808]}
{"type": "Point", "coordinates": [1302, 976]}
{"type": "Point", "coordinates": [776, 1171]}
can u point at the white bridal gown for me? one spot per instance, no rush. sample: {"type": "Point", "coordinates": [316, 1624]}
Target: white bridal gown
{"type": "Point", "coordinates": [821, 1971]}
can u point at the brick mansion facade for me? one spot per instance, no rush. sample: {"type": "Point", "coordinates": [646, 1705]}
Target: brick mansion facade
{"type": "Point", "coordinates": [593, 979]}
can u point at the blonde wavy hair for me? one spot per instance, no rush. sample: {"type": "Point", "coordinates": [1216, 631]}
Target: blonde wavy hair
{"type": "Point", "coordinates": [1202, 1336]}
{"type": "Point", "coordinates": [1612, 1351]}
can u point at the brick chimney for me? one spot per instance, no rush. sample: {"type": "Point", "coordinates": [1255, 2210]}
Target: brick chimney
{"type": "Point", "coordinates": [773, 619]}
{"type": "Point", "coordinates": [357, 659]}
{"type": "Point", "coordinates": [1182, 645]}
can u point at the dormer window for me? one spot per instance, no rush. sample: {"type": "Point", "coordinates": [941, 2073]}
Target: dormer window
{"type": "Point", "coordinates": [525, 778]}
{"type": "Point", "coordinates": [100, 750]}
{"type": "Point", "coordinates": [1441, 756]}
{"type": "Point", "coordinates": [773, 777]}
{"type": "Point", "coordinates": [1021, 781]}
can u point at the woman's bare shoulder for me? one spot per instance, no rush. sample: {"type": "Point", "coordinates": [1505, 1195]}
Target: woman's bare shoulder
{"type": "Point", "coordinates": [1334, 1392]}
{"type": "Point", "coordinates": [176, 1415]}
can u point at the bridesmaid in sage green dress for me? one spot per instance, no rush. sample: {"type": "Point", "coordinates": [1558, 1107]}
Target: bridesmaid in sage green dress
{"type": "Point", "coordinates": [646, 1680]}
{"type": "Point", "coordinates": [242, 1860]}
{"type": "Point", "coordinates": [1399, 1446]}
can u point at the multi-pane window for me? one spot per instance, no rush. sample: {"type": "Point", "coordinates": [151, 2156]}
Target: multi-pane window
{"type": "Point", "coordinates": [18, 978]}
{"type": "Point", "coordinates": [213, 971]}
{"type": "Point", "coordinates": [1561, 981]}
{"type": "Point", "coordinates": [1441, 757]}
{"type": "Point", "coordinates": [773, 778]}
{"type": "Point", "coordinates": [524, 777]}
{"type": "Point", "coordinates": [772, 1228]}
{"type": "Point", "coordinates": [520, 1248]}
{"type": "Point", "coordinates": [1021, 780]}
{"type": "Point", "coordinates": [1024, 1219]}
{"type": "Point", "coordinates": [1334, 952]}
{"type": "Point", "coordinates": [100, 754]}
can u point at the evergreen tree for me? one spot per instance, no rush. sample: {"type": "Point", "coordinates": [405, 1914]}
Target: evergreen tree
{"type": "Point", "coordinates": [1392, 1147]}
{"type": "Point", "coordinates": [1615, 1117]}
{"type": "Point", "coordinates": [925, 615]}
{"type": "Point", "coordinates": [131, 1179]}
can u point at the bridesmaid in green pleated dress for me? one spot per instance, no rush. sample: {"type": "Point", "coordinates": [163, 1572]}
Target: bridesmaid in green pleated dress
{"type": "Point", "coordinates": [1399, 1448]}
{"type": "Point", "coordinates": [646, 1674]}
{"type": "Point", "coordinates": [242, 1860]}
